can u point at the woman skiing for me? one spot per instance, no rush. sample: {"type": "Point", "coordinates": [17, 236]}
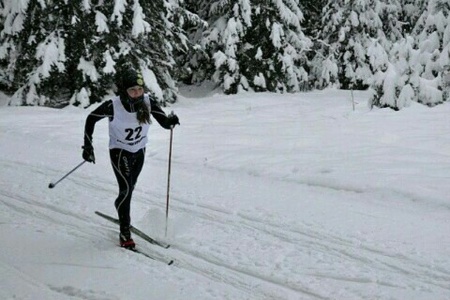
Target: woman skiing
{"type": "Point", "coordinates": [129, 121]}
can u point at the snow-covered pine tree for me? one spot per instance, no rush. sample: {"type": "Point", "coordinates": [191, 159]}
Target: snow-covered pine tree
{"type": "Point", "coordinates": [411, 11]}
{"type": "Point", "coordinates": [322, 61]}
{"type": "Point", "coordinates": [31, 49]}
{"type": "Point", "coordinates": [71, 49]}
{"type": "Point", "coordinates": [395, 78]}
{"type": "Point", "coordinates": [432, 33]}
{"type": "Point", "coordinates": [391, 58]}
{"type": "Point", "coordinates": [4, 80]}
{"type": "Point", "coordinates": [274, 56]}
{"type": "Point", "coordinates": [229, 21]}
{"type": "Point", "coordinates": [199, 61]}
{"type": "Point", "coordinates": [350, 28]}
{"type": "Point", "coordinates": [419, 65]}
{"type": "Point", "coordinates": [251, 44]}
{"type": "Point", "coordinates": [191, 59]}
{"type": "Point", "coordinates": [406, 62]}
{"type": "Point", "coordinates": [141, 34]}
{"type": "Point", "coordinates": [312, 13]}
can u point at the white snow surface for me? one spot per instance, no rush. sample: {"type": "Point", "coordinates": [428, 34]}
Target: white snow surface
{"type": "Point", "coordinates": [293, 196]}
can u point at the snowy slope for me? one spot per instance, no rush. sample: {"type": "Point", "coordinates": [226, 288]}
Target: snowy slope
{"type": "Point", "coordinates": [272, 197]}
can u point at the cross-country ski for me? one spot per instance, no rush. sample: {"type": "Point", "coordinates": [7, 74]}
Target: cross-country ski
{"type": "Point", "coordinates": [146, 238]}
{"type": "Point", "coordinates": [135, 231]}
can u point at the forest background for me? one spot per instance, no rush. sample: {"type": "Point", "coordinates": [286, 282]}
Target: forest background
{"type": "Point", "coordinates": [58, 52]}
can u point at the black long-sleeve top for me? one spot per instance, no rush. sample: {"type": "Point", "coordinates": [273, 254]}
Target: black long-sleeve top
{"type": "Point", "coordinates": [106, 110]}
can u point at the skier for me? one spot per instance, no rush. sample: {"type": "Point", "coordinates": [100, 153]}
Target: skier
{"type": "Point", "coordinates": [129, 120]}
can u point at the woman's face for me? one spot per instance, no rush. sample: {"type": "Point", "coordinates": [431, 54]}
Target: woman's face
{"type": "Point", "coordinates": [135, 91]}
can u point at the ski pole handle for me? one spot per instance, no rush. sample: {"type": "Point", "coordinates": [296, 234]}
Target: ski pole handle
{"type": "Point", "coordinates": [52, 185]}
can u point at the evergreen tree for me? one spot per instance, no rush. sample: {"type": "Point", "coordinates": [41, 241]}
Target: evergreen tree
{"type": "Point", "coordinates": [312, 11]}
{"type": "Point", "coordinates": [276, 48]}
{"type": "Point", "coordinates": [4, 79]}
{"type": "Point", "coordinates": [411, 11]}
{"type": "Point", "coordinates": [322, 67]}
{"type": "Point", "coordinates": [396, 74]}
{"type": "Point", "coordinates": [25, 41]}
{"type": "Point", "coordinates": [256, 45]}
{"type": "Point", "coordinates": [196, 62]}
{"type": "Point", "coordinates": [419, 64]}
{"type": "Point", "coordinates": [184, 23]}
{"type": "Point", "coordinates": [71, 50]}
{"type": "Point", "coordinates": [350, 28]}
{"type": "Point", "coordinates": [432, 33]}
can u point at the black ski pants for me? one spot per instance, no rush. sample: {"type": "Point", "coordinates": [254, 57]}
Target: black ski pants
{"type": "Point", "coordinates": [127, 166]}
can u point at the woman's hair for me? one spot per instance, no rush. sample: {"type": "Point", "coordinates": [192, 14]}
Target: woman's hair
{"type": "Point", "coordinates": [142, 112]}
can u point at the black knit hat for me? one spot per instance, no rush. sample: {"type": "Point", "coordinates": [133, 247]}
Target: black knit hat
{"type": "Point", "coordinates": [129, 78]}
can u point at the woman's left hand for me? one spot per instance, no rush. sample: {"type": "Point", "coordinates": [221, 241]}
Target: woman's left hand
{"type": "Point", "coordinates": [173, 119]}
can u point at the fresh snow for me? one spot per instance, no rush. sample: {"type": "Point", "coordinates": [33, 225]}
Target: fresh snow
{"type": "Point", "coordinates": [293, 196]}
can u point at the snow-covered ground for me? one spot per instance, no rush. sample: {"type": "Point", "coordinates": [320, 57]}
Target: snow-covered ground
{"type": "Point", "coordinates": [292, 196]}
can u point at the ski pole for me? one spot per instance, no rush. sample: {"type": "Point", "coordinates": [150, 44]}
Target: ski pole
{"type": "Point", "coordinates": [52, 185]}
{"type": "Point", "coordinates": [168, 177]}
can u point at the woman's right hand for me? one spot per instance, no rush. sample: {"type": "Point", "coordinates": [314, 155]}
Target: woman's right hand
{"type": "Point", "coordinates": [88, 153]}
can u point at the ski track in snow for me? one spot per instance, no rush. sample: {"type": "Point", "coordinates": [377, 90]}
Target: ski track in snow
{"type": "Point", "coordinates": [268, 280]}
{"type": "Point", "coordinates": [308, 239]}
{"type": "Point", "coordinates": [238, 274]}
{"type": "Point", "coordinates": [256, 254]}
{"type": "Point", "coordinates": [78, 224]}
{"type": "Point", "coordinates": [317, 242]}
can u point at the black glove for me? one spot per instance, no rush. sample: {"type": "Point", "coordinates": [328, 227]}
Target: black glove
{"type": "Point", "coordinates": [173, 119]}
{"type": "Point", "coordinates": [88, 153]}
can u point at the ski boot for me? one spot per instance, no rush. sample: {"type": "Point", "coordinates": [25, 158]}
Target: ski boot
{"type": "Point", "coordinates": [125, 238]}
